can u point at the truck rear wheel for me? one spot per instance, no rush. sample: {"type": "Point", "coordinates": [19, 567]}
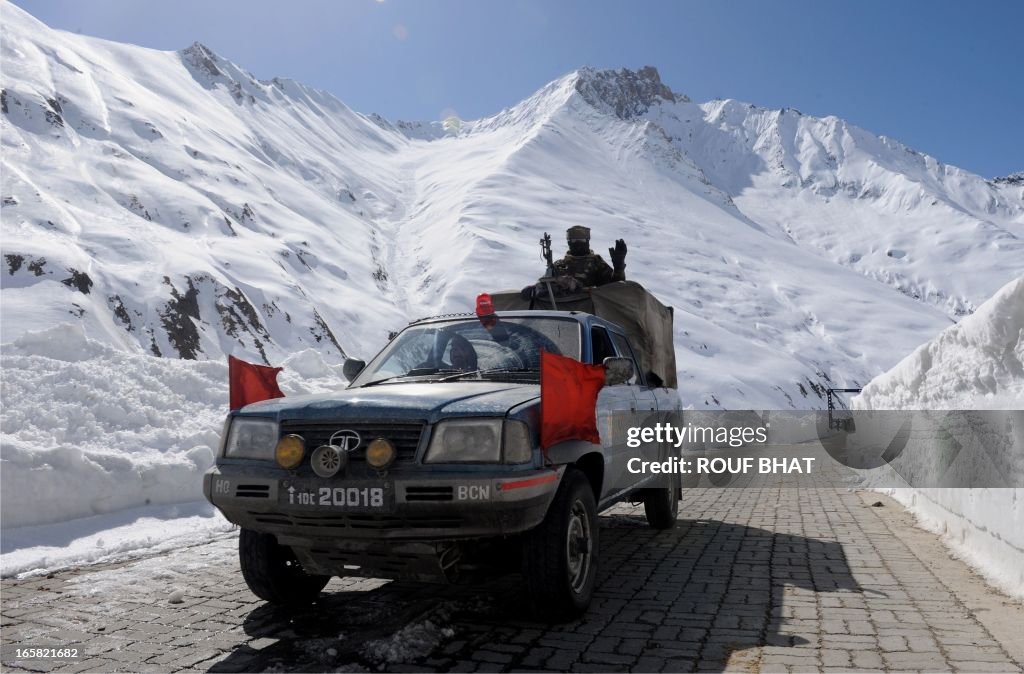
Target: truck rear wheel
{"type": "Point", "coordinates": [661, 505]}
{"type": "Point", "coordinates": [560, 555]}
{"type": "Point", "coordinates": [273, 572]}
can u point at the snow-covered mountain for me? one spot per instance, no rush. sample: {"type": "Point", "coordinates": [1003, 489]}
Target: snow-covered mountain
{"type": "Point", "coordinates": [171, 203]}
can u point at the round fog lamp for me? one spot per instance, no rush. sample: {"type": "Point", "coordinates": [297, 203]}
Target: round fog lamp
{"type": "Point", "coordinates": [380, 453]}
{"type": "Point", "coordinates": [327, 460]}
{"type": "Point", "coordinates": [289, 451]}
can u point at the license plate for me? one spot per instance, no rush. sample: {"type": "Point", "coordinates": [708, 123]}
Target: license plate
{"type": "Point", "coordinates": [343, 497]}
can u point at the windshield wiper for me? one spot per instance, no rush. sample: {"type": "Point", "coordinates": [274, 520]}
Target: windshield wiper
{"type": "Point", "coordinates": [493, 370]}
{"type": "Point", "coordinates": [381, 381]}
{"type": "Point", "coordinates": [415, 372]}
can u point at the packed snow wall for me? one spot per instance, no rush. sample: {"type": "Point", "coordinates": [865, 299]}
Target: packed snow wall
{"type": "Point", "coordinates": [984, 527]}
{"type": "Point", "coordinates": [88, 429]}
{"type": "Point", "coordinates": [976, 364]}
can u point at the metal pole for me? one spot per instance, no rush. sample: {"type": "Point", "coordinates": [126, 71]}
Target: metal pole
{"type": "Point", "coordinates": [551, 295]}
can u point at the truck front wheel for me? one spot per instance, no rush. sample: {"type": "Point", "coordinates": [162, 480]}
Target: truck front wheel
{"type": "Point", "coordinates": [560, 555]}
{"type": "Point", "coordinates": [272, 571]}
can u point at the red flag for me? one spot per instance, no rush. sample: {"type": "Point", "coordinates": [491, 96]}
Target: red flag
{"type": "Point", "coordinates": [251, 383]}
{"type": "Point", "coordinates": [568, 399]}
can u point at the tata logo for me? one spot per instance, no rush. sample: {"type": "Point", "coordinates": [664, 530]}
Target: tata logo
{"type": "Point", "coordinates": [346, 440]}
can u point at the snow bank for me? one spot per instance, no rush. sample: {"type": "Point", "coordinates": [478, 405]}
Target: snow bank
{"type": "Point", "coordinates": [88, 430]}
{"type": "Point", "coordinates": [109, 538]}
{"type": "Point", "coordinates": [976, 364]}
{"type": "Point", "coordinates": [983, 527]}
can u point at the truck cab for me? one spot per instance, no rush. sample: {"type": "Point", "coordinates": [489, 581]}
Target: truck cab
{"type": "Point", "coordinates": [428, 466]}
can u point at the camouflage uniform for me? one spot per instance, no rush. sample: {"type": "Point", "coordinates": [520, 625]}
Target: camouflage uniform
{"type": "Point", "coordinates": [588, 268]}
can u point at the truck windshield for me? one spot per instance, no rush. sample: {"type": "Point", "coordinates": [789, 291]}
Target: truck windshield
{"type": "Point", "coordinates": [509, 347]}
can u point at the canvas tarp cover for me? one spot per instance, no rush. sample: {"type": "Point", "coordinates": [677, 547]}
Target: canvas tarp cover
{"type": "Point", "coordinates": [646, 321]}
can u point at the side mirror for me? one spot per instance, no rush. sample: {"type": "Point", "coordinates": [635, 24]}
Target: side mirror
{"type": "Point", "coordinates": [352, 368]}
{"type": "Point", "coordinates": [617, 371]}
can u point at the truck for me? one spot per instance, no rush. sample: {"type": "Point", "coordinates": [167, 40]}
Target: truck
{"type": "Point", "coordinates": [429, 465]}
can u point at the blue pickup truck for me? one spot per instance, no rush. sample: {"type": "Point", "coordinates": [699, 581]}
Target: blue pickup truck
{"type": "Point", "coordinates": [428, 465]}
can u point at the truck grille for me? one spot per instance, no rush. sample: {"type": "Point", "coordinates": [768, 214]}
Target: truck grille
{"type": "Point", "coordinates": [252, 491]}
{"type": "Point", "coordinates": [429, 493]}
{"type": "Point", "coordinates": [404, 436]}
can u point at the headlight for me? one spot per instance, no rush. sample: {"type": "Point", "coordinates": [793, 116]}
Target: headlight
{"type": "Point", "coordinates": [466, 441]}
{"type": "Point", "coordinates": [480, 441]}
{"type": "Point", "coordinates": [251, 439]}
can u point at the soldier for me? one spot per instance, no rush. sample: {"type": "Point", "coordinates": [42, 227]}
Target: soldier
{"type": "Point", "coordinates": [586, 266]}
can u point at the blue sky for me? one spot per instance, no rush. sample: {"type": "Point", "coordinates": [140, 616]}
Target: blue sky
{"type": "Point", "coordinates": [943, 77]}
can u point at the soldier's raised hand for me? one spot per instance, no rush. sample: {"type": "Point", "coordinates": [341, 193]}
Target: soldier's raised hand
{"type": "Point", "coordinates": [618, 253]}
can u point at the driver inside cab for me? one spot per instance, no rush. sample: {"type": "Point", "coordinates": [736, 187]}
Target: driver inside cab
{"type": "Point", "coordinates": [463, 355]}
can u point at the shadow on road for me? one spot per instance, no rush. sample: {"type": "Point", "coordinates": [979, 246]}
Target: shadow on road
{"type": "Point", "coordinates": [692, 596]}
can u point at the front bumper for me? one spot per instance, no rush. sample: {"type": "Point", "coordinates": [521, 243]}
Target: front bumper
{"type": "Point", "coordinates": [423, 507]}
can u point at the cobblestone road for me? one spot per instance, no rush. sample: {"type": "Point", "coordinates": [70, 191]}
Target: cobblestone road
{"type": "Point", "coordinates": [750, 580]}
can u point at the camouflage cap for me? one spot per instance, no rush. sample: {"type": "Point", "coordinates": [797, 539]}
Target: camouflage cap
{"type": "Point", "coordinates": [578, 232]}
